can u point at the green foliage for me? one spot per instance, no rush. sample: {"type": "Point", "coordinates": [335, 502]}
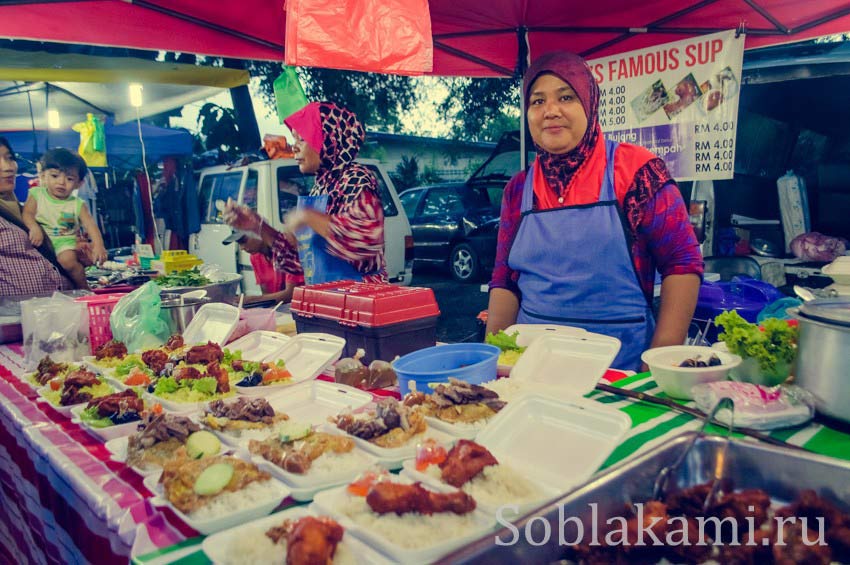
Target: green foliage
{"type": "Point", "coordinates": [481, 109]}
{"type": "Point", "coordinates": [771, 344]}
{"type": "Point", "coordinates": [430, 176]}
{"type": "Point", "coordinates": [219, 129]}
{"type": "Point", "coordinates": [406, 173]}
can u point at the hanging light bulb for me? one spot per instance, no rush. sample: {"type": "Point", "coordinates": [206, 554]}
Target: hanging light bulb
{"type": "Point", "coordinates": [136, 94]}
{"type": "Point", "coordinates": [53, 119]}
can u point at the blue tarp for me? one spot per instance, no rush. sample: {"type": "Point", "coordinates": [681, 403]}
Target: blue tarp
{"type": "Point", "coordinates": [122, 143]}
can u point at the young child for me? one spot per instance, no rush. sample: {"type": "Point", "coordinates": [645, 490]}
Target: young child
{"type": "Point", "coordinates": [52, 207]}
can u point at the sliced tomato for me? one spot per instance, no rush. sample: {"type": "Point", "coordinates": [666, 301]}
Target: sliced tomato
{"type": "Point", "coordinates": [137, 377]}
{"type": "Point", "coordinates": [793, 323]}
{"type": "Point", "coordinates": [429, 452]}
{"type": "Point", "coordinates": [55, 384]}
{"type": "Point", "coordinates": [276, 374]}
{"type": "Point", "coordinates": [156, 408]}
{"type": "Point", "coordinates": [361, 485]}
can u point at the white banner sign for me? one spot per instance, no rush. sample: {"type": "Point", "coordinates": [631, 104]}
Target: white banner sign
{"type": "Point", "coordinates": [679, 100]}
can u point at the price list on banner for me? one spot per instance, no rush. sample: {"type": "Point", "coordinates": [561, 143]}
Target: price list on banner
{"type": "Point", "coordinates": [679, 100]}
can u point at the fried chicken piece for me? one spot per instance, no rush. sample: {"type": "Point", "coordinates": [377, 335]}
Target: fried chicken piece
{"type": "Point", "coordinates": [118, 403]}
{"type": "Point", "coordinates": [47, 369]}
{"type": "Point", "coordinates": [309, 540]}
{"type": "Point", "coordinates": [693, 551]}
{"type": "Point", "coordinates": [795, 550]}
{"type": "Point", "coordinates": [465, 461]}
{"type": "Point", "coordinates": [111, 349]}
{"type": "Point", "coordinates": [654, 520]}
{"type": "Point", "coordinates": [736, 505]}
{"type": "Point", "coordinates": [689, 501]}
{"type": "Point", "coordinates": [220, 375]}
{"type": "Point", "coordinates": [186, 373]}
{"type": "Point", "coordinates": [204, 354]}
{"type": "Point", "coordinates": [838, 538]}
{"type": "Point", "coordinates": [415, 398]}
{"type": "Point", "coordinates": [174, 342]}
{"type": "Point", "coordinates": [752, 550]}
{"type": "Point", "coordinates": [810, 506]}
{"type": "Point", "coordinates": [385, 497]}
{"type": "Point", "coordinates": [155, 360]}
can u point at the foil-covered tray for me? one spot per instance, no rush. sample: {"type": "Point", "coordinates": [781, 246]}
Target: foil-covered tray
{"type": "Point", "coordinates": [782, 473]}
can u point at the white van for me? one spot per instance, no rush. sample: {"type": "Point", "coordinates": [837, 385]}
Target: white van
{"type": "Point", "coordinates": [272, 188]}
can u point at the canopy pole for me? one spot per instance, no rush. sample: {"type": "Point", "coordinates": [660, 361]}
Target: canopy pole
{"type": "Point", "coordinates": [523, 62]}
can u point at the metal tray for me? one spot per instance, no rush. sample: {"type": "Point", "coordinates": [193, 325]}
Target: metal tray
{"type": "Point", "coordinates": [782, 473]}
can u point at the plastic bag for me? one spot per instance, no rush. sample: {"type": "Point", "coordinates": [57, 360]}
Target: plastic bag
{"type": "Point", "coordinates": [288, 94]}
{"type": "Point", "coordinates": [55, 326]}
{"type": "Point", "coordinates": [351, 371]}
{"type": "Point", "coordinates": [814, 246]}
{"type": "Point", "coordinates": [381, 36]}
{"type": "Point", "coordinates": [253, 319]}
{"type": "Point", "coordinates": [136, 321]}
{"type": "Point", "coordinates": [758, 407]}
{"type": "Point", "coordinates": [89, 141]}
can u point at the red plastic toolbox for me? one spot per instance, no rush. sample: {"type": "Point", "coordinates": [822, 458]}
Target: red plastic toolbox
{"type": "Point", "coordinates": [383, 319]}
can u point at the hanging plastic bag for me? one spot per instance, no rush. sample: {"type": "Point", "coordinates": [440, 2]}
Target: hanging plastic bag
{"type": "Point", "coordinates": [288, 94]}
{"type": "Point", "coordinates": [380, 36]}
{"type": "Point", "coordinates": [88, 147]}
{"type": "Point", "coordinates": [135, 320]}
{"type": "Point", "coordinates": [55, 326]}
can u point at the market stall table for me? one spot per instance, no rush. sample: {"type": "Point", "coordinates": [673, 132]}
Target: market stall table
{"type": "Point", "coordinates": [62, 500]}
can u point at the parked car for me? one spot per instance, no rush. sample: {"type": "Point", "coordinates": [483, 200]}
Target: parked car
{"type": "Point", "coordinates": [272, 188]}
{"type": "Point", "coordinates": [456, 224]}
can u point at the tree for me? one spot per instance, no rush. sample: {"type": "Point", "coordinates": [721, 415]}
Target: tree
{"type": "Point", "coordinates": [481, 109]}
{"type": "Point", "coordinates": [378, 100]}
{"type": "Point", "coordinates": [406, 173]}
{"type": "Point", "coordinates": [218, 129]}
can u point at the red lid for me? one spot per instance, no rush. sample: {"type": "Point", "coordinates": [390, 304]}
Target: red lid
{"type": "Point", "coordinates": [364, 304]}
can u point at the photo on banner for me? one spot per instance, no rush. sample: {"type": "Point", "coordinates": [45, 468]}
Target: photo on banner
{"type": "Point", "coordinates": [679, 100]}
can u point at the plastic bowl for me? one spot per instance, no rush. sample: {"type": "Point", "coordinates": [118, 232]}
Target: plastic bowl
{"type": "Point", "coordinates": [474, 363]}
{"type": "Point", "coordinates": [676, 381]}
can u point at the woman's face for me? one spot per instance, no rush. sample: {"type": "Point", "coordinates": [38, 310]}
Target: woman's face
{"type": "Point", "coordinates": [308, 159]}
{"type": "Point", "coordinates": [8, 170]}
{"type": "Point", "coordinates": [556, 118]}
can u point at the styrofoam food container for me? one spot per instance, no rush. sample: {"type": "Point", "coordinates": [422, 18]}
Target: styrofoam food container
{"type": "Point", "coordinates": [676, 381]}
{"type": "Point", "coordinates": [117, 448]}
{"type": "Point", "coordinates": [260, 345]}
{"type": "Point", "coordinates": [530, 332]}
{"type": "Point", "coordinates": [328, 501]}
{"type": "Point", "coordinates": [565, 366]}
{"type": "Point", "coordinates": [103, 434]}
{"type": "Point", "coordinates": [210, 526]}
{"type": "Point", "coordinates": [313, 402]}
{"type": "Point", "coordinates": [216, 545]}
{"type": "Point", "coordinates": [458, 430]}
{"type": "Point", "coordinates": [212, 322]}
{"type": "Point", "coordinates": [392, 458]}
{"type": "Point", "coordinates": [305, 356]}
{"type": "Point", "coordinates": [181, 407]}
{"type": "Point", "coordinates": [304, 487]}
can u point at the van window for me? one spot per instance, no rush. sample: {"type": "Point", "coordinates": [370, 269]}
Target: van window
{"type": "Point", "coordinates": [249, 196]}
{"type": "Point", "coordinates": [291, 183]}
{"type": "Point", "coordinates": [220, 186]}
{"type": "Point", "coordinates": [386, 198]}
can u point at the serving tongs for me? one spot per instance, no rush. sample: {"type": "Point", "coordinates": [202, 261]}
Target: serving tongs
{"type": "Point", "coordinates": [720, 465]}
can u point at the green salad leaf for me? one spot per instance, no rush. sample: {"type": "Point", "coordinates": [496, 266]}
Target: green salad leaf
{"type": "Point", "coordinates": [505, 342]}
{"type": "Point", "coordinates": [189, 277]}
{"type": "Point", "coordinates": [124, 367]}
{"type": "Point", "coordinates": [231, 356]}
{"type": "Point", "coordinates": [93, 419]}
{"type": "Point", "coordinates": [771, 344]}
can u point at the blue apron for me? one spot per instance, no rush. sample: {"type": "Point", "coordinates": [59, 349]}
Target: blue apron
{"type": "Point", "coordinates": [319, 265]}
{"type": "Point", "coordinates": [575, 269]}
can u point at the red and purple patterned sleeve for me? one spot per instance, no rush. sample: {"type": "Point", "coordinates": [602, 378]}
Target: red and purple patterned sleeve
{"type": "Point", "coordinates": [285, 256]}
{"type": "Point", "coordinates": [357, 230]}
{"type": "Point", "coordinates": [665, 239]}
{"type": "Point", "coordinates": [503, 275]}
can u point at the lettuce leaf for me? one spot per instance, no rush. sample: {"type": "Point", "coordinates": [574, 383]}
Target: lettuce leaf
{"type": "Point", "coordinates": [772, 344]}
{"type": "Point", "coordinates": [124, 367]}
{"type": "Point", "coordinates": [504, 341]}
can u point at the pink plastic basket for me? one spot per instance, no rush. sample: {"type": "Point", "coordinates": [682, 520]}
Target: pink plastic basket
{"type": "Point", "coordinates": [100, 308]}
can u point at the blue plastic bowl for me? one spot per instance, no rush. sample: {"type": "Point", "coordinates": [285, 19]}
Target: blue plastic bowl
{"type": "Point", "coordinates": [474, 363]}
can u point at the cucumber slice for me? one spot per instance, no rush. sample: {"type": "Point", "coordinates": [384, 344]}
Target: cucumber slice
{"type": "Point", "coordinates": [213, 479]}
{"type": "Point", "coordinates": [201, 444]}
{"type": "Point", "coordinates": [293, 431]}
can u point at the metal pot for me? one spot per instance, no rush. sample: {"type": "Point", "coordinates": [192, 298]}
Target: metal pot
{"type": "Point", "coordinates": [178, 311]}
{"type": "Point", "coordinates": [823, 354]}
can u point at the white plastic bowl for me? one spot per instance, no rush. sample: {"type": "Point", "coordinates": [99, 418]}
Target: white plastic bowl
{"type": "Point", "coordinates": [677, 381]}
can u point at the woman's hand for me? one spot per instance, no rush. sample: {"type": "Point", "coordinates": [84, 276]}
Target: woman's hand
{"type": "Point", "coordinates": [241, 217]}
{"type": "Point", "coordinates": [36, 236]}
{"type": "Point", "coordinates": [98, 254]}
{"type": "Point", "coordinates": [294, 220]}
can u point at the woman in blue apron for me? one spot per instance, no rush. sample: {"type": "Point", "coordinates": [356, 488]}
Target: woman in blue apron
{"type": "Point", "coordinates": [337, 231]}
{"type": "Point", "coordinates": [584, 231]}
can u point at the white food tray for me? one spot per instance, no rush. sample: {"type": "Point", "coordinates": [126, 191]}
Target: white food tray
{"type": "Point", "coordinates": [103, 434]}
{"type": "Point", "coordinates": [558, 443]}
{"type": "Point", "coordinates": [212, 525]}
{"type": "Point", "coordinates": [530, 332]}
{"type": "Point", "coordinates": [459, 430]}
{"type": "Point", "coordinates": [304, 487]}
{"type": "Point", "coordinates": [181, 407]}
{"type": "Point", "coordinates": [216, 546]}
{"type": "Point", "coordinates": [212, 322]}
{"type": "Point", "coordinates": [315, 401]}
{"type": "Point", "coordinates": [565, 366]}
{"type": "Point", "coordinates": [117, 448]}
{"type": "Point", "coordinates": [329, 501]}
{"type": "Point", "coordinates": [392, 458]}
{"type": "Point", "coordinates": [261, 345]}
{"type": "Point", "coordinates": [306, 356]}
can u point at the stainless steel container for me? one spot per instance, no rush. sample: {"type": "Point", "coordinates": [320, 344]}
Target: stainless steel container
{"type": "Point", "coordinates": [782, 473]}
{"type": "Point", "coordinates": [823, 354]}
{"type": "Point", "coordinates": [223, 291]}
{"type": "Point", "coordinates": [178, 311]}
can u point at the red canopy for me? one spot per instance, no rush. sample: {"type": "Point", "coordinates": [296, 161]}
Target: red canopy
{"type": "Point", "coordinates": [471, 37]}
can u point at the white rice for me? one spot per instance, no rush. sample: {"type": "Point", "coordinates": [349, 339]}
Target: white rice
{"type": "Point", "coordinates": [244, 436]}
{"type": "Point", "coordinates": [332, 464]}
{"type": "Point", "coordinates": [249, 546]}
{"type": "Point", "coordinates": [508, 389]}
{"type": "Point", "coordinates": [411, 530]}
{"type": "Point", "coordinates": [497, 485]}
{"type": "Point", "coordinates": [255, 494]}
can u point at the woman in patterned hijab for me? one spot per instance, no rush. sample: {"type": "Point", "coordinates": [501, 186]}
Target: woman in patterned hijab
{"type": "Point", "coordinates": [351, 225]}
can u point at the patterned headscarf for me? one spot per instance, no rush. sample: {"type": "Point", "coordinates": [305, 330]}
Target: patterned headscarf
{"type": "Point", "coordinates": [558, 169]}
{"type": "Point", "coordinates": [337, 135]}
